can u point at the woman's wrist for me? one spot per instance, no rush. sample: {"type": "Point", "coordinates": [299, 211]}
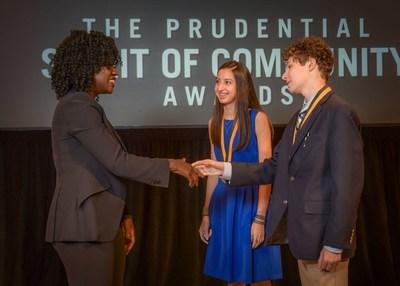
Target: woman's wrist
{"type": "Point", "coordinates": [260, 219]}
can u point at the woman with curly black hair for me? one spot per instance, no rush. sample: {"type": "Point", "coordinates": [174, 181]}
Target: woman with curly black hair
{"type": "Point", "coordinates": [88, 223]}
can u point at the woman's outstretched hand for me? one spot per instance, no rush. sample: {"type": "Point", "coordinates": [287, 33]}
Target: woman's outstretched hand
{"type": "Point", "coordinates": [180, 167]}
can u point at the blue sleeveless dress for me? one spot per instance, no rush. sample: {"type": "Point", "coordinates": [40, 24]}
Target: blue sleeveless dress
{"type": "Point", "coordinates": [232, 210]}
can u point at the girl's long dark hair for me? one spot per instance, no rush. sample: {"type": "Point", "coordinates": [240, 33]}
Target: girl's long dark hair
{"type": "Point", "coordinates": [246, 100]}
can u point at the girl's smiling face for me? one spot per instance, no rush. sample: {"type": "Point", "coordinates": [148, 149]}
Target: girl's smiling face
{"type": "Point", "coordinates": [225, 87]}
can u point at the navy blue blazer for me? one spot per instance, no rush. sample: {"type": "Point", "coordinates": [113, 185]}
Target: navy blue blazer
{"type": "Point", "coordinates": [91, 163]}
{"type": "Point", "coordinates": [317, 181]}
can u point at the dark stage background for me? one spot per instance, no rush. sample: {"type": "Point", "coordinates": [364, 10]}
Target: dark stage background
{"type": "Point", "coordinates": [168, 251]}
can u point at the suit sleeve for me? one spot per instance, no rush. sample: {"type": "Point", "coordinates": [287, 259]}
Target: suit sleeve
{"type": "Point", "coordinates": [255, 173]}
{"type": "Point", "coordinates": [347, 172]}
{"type": "Point", "coordinates": [86, 124]}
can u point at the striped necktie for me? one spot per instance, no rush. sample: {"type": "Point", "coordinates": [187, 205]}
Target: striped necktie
{"type": "Point", "coordinates": [301, 115]}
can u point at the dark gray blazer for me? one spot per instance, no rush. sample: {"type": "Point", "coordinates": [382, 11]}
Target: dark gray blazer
{"type": "Point", "coordinates": [317, 181]}
{"type": "Point", "coordinates": [91, 164]}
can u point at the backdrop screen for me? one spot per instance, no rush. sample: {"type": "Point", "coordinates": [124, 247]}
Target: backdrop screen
{"type": "Point", "coordinates": [171, 51]}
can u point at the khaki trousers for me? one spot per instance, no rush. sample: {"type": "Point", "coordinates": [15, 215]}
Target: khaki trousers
{"type": "Point", "coordinates": [310, 275]}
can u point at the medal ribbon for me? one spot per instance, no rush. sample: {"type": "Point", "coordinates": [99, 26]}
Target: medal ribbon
{"type": "Point", "coordinates": [311, 108]}
{"type": "Point", "coordinates": [230, 146]}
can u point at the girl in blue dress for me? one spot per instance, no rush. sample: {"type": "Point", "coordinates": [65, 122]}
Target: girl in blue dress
{"type": "Point", "coordinates": [234, 218]}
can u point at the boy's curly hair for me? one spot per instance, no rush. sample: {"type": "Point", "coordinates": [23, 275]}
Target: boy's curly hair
{"type": "Point", "coordinates": [78, 58]}
{"type": "Point", "coordinates": [311, 47]}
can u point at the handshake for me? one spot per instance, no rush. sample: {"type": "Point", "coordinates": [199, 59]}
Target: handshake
{"type": "Point", "coordinates": [197, 169]}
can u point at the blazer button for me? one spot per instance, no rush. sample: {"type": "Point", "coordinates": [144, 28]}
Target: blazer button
{"type": "Point", "coordinates": [291, 178]}
{"type": "Point", "coordinates": [284, 202]}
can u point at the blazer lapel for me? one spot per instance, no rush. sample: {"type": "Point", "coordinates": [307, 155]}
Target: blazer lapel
{"type": "Point", "coordinates": [113, 132]}
{"type": "Point", "coordinates": [305, 130]}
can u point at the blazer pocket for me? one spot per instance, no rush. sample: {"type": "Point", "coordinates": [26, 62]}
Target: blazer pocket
{"type": "Point", "coordinates": [89, 190]}
{"type": "Point", "coordinates": [313, 140]}
{"type": "Point", "coordinates": [317, 207]}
